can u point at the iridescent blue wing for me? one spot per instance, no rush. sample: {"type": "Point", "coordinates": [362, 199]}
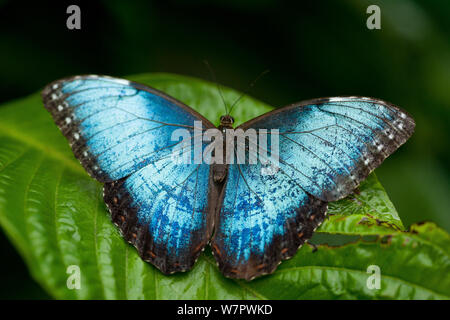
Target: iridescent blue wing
{"type": "Point", "coordinates": [326, 148]}
{"type": "Point", "coordinates": [162, 210]}
{"type": "Point", "coordinates": [116, 127]}
{"type": "Point", "coordinates": [263, 219]}
{"type": "Point", "coordinates": [121, 132]}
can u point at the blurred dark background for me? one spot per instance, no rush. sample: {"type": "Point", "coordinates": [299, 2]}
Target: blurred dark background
{"type": "Point", "coordinates": [313, 49]}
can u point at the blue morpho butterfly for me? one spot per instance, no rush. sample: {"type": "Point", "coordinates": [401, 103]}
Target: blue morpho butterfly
{"type": "Point", "coordinates": [121, 133]}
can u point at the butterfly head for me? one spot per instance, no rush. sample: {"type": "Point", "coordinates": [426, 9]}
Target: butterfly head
{"type": "Point", "coordinates": [226, 121]}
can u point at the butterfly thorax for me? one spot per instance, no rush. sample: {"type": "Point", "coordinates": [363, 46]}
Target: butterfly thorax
{"type": "Point", "coordinates": [226, 122]}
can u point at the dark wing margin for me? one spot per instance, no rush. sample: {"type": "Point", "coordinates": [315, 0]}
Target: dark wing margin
{"type": "Point", "coordinates": [125, 216]}
{"type": "Point", "coordinates": [297, 230]}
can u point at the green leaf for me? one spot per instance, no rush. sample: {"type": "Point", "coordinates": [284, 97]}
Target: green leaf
{"type": "Point", "coordinates": [413, 266]}
{"type": "Point", "coordinates": [53, 212]}
{"type": "Point", "coordinates": [367, 212]}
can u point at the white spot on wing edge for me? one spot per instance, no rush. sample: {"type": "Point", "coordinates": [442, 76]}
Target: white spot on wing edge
{"type": "Point", "coordinates": [122, 81]}
{"type": "Point", "coordinates": [340, 99]}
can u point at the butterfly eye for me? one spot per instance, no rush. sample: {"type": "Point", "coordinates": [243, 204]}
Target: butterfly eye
{"type": "Point", "coordinates": [222, 117]}
{"type": "Point", "coordinates": [232, 119]}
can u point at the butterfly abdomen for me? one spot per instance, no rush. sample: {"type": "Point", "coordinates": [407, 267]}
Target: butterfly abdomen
{"type": "Point", "coordinates": [219, 172]}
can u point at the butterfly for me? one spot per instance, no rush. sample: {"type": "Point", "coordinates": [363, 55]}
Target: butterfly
{"type": "Point", "coordinates": [121, 132]}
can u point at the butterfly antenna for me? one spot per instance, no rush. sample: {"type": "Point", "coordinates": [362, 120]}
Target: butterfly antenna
{"type": "Point", "coordinates": [249, 87]}
{"type": "Point", "coordinates": [213, 76]}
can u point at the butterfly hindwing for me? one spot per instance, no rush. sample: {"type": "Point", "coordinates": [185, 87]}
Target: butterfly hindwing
{"type": "Point", "coordinates": [326, 148]}
{"type": "Point", "coordinates": [263, 220]}
{"type": "Point", "coordinates": [162, 210]}
{"type": "Point", "coordinates": [122, 134]}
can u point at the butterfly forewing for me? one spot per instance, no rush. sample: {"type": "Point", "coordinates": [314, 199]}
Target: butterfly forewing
{"type": "Point", "coordinates": [330, 145]}
{"type": "Point", "coordinates": [116, 127]}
